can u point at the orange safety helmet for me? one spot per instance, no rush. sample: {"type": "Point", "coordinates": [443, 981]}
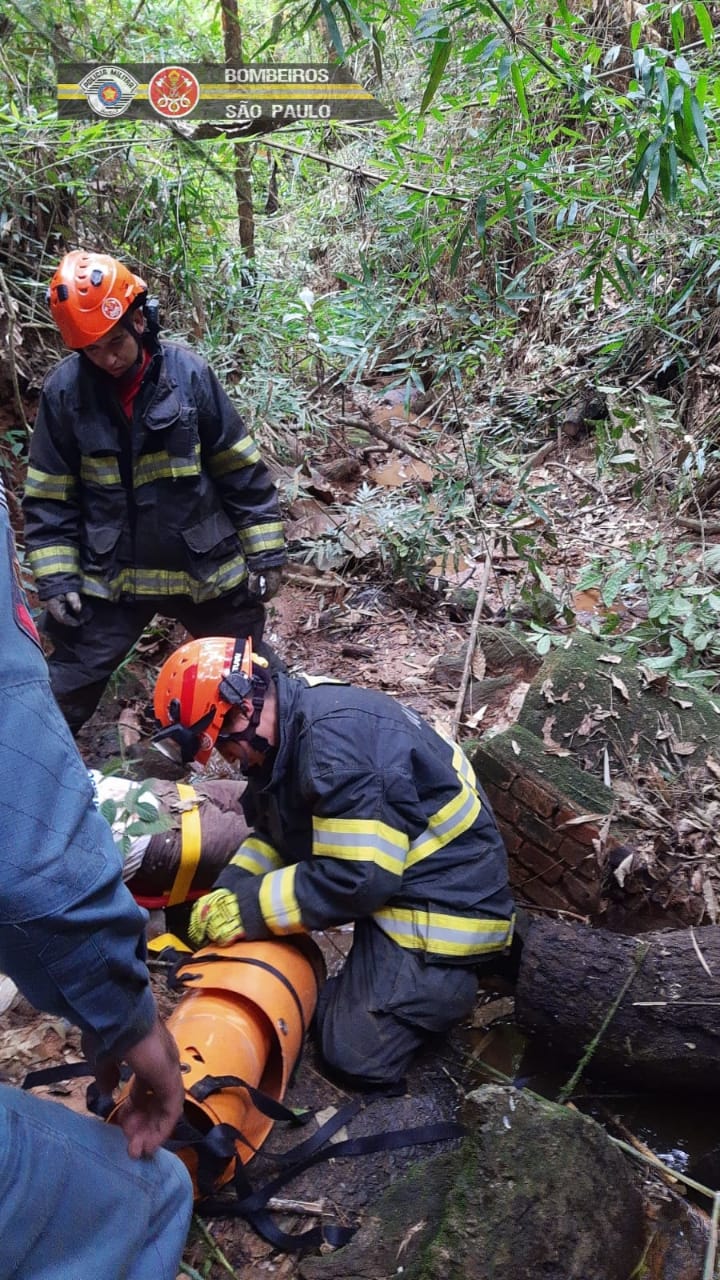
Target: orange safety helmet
{"type": "Point", "coordinates": [89, 294]}
{"type": "Point", "coordinates": [196, 688]}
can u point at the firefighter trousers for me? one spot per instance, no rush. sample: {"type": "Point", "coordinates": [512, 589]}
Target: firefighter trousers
{"type": "Point", "coordinates": [84, 657]}
{"type": "Point", "coordinates": [385, 1005]}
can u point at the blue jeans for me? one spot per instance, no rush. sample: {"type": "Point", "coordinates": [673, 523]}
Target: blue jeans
{"type": "Point", "coordinates": [74, 1206]}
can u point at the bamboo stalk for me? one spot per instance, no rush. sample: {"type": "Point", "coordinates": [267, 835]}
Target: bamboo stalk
{"type": "Point", "coordinates": [455, 721]}
{"type": "Point", "coordinates": [214, 1247]}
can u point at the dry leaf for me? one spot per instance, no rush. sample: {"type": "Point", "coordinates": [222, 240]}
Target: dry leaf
{"type": "Point", "coordinates": [680, 702]}
{"type": "Point", "coordinates": [473, 721]}
{"type": "Point", "coordinates": [609, 657]}
{"type": "Point", "coordinates": [515, 747]}
{"type": "Point", "coordinates": [711, 902]}
{"type": "Point", "coordinates": [622, 871]}
{"type": "Point", "coordinates": [129, 728]}
{"type": "Point", "coordinates": [621, 687]}
{"type": "Point", "coordinates": [552, 748]}
{"type": "Point", "coordinates": [419, 1226]}
{"type": "Point", "coordinates": [652, 677]}
{"type": "Point", "coordinates": [546, 689]}
{"type": "Point", "coordinates": [682, 748]}
{"type": "Point", "coordinates": [479, 664]}
{"type": "Point", "coordinates": [581, 820]}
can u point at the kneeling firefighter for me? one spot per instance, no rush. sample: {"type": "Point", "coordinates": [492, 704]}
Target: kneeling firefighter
{"type": "Point", "coordinates": [360, 812]}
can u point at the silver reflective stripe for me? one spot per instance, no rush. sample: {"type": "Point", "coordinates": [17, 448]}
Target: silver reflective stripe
{"type": "Point", "coordinates": [167, 582]}
{"type": "Point", "coordinates": [262, 537]}
{"type": "Point", "coordinates": [442, 934]}
{"type": "Point", "coordinates": [278, 903]}
{"type": "Point", "coordinates": [356, 840]}
{"type": "Point", "coordinates": [244, 453]}
{"type": "Point", "coordinates": [49, 488]}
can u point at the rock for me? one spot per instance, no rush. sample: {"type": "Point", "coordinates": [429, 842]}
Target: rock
{"type": "Point", "coordinates": [534, 1190]}
{"type": "Point", "coordinates": [595, 705]}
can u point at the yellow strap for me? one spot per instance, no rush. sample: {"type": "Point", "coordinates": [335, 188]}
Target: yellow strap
{"type": "Point", "coordinates": [163, 940]}
{"type": "Point", "coordinates": [190, 844]}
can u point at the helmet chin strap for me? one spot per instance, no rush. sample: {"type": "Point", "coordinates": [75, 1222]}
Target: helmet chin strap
{"type": "Point", "coordinates": [126, 322]}
{"type": "Point", "coordinates": [251, 691]}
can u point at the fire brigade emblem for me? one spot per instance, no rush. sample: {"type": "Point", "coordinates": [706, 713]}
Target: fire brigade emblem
{"type": "Point", "coordinates": [173, 92]}
{"type": "Point", "coordinates": [109, 90]}
{"type": "Point", "coordinates": [111, 308]}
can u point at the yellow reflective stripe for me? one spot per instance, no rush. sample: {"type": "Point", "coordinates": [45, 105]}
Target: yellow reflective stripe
{"type": "Point", "coordinates": [60, 558]}
{"type": "Point", "coordinates": [190, 845]}
{"type": "Point", "coordinates": [164, 466]}
{"type": "Point", "coordinates": [256, 856]}
{"type": "Point", "coordinates": [262, 537]}
{"type": "Point", "coordinates": [41, 484]}
{"type": "Point", "coordinates": [441, 934]}
{"type": "Point", "coordinates": [462, 765]}
{"type": "Point", "coordinates": [167, 582]}
{"type": "Point", "coordinates": [244, 453]}
{"type": "Point", "coordinates": [101, 471]}
{"type": "Point", "coordinates": [357, 840]}
{"type": "Point", "coordinates": [455, 817]}
{"type": "Point", "coordinates": [278, 903]}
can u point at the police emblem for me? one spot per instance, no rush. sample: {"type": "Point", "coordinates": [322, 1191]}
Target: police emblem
{"type": "Point", "coordinates": [109, 90]}
{"type": "Point", "coordinates": [173, 92]}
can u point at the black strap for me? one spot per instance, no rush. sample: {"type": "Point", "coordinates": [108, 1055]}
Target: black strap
{"type": "Point", "coordinates": [100, 1104]}
{"type": "Point", "coordinates": [250, 1205]}
{"type": "Point", "coordinates": [53, 1075]}
{"type": "Point", "coordinates": [262, 1102]}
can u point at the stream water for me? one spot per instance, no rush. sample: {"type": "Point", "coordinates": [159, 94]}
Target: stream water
{"type": "Point", "coordinates": [681, 1131]}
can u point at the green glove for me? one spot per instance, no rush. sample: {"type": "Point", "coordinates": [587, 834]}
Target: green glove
{"type": "Point", "coordinates": [216, 918]}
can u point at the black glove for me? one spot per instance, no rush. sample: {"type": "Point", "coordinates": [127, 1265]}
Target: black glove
{"type": "Point", "coordinates": [264, 583]}
{"type": "Point", "coordinates": [65, 609]}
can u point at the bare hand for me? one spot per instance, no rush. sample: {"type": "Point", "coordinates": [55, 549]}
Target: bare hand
{"type": "Point", "coordinates": [154, 1103]}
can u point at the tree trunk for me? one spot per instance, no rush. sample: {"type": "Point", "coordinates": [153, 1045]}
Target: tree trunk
{"type": "Point", "coordinates": [661, 1005]}
{"type": "Point", "coordinates": [232, 38]}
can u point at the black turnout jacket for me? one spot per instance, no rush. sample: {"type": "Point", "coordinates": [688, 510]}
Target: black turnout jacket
{"type": "Point", "coordinates": [368, 812]}
{"type": "Point", "coordinates": [175, 502]}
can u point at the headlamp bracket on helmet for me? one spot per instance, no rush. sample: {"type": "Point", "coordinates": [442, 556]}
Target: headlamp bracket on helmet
{"type": "Point", "coordinates": [187, 738]}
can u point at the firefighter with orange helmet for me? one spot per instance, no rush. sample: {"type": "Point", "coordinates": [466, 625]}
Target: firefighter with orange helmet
{"type": "Point", "coordinates": [360, 812]}
{"type": "Point", "coordinates": [145, 494]}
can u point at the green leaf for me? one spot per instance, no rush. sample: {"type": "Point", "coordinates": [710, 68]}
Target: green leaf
{"type": "Point", "coordinates": [333, 29]}
{"type": "Point", "coordinates": [438, 62]}
{"type": "Point", "coordinates": [455, 258]}
{"type": "Point", "coordinates": [519, 87]}
{"type": "Point", "coordinates": [529, 211]}
{"type": "Point", "coordinates": [145, 811]}
{"type": "Point", "coordinates": [613, 584]}
{"type": "Point", "coordinates": [698, 120]}
{"type": "Point", "coordinates": [704, 22]}
{"type": "Point", "coordinates": [598, 290]}
{"type": "Point", "coordinates": [480, 216]}
{"type": "Point", "coordinates": [677, 27]}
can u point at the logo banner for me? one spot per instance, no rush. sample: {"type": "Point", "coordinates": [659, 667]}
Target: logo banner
{"type": "Point", "coordinates": [278, 92]}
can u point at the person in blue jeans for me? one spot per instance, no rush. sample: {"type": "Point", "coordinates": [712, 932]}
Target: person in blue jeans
{"type": "Point", "coordinates": [79, 1199]}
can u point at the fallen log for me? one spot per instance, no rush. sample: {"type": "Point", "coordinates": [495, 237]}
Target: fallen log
{"type": "Point", "coordinates": [639, 1010]}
